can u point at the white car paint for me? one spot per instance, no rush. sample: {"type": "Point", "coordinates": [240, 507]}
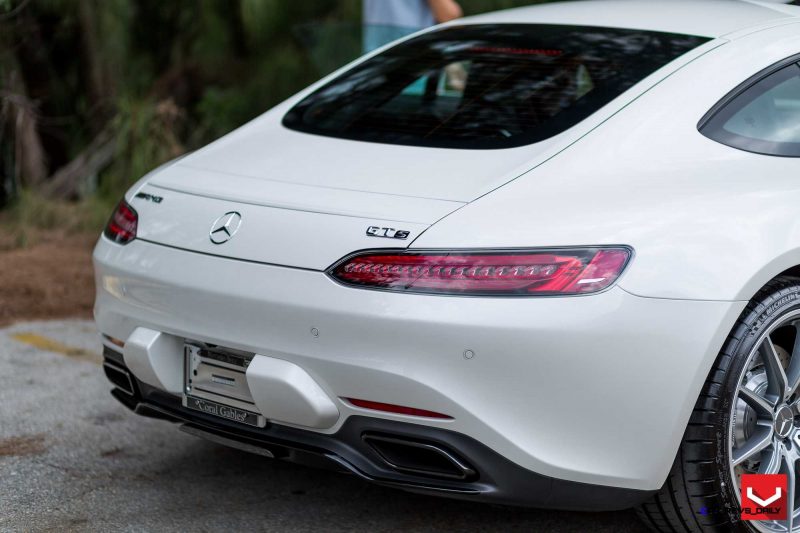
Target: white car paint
{"type": "Point", "coordinates": [712, 18]}
{"type": "Point", "coordinates": [595, 389]}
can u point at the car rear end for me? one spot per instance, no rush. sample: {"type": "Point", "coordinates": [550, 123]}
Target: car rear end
{"type": "Point", "coordinates": [266, 291]}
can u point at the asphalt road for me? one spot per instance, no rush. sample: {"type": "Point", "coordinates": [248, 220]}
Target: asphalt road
{"type": "Point", "coordinates": [73, 459]}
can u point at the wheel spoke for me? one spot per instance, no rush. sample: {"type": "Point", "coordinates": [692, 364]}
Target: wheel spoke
{"type": "Point", "coordinates": [754, 445]}
{"type": "Point", "coordinates": [776, 376]}
{"type": "Point", "coordinates": [793, 378]}
{"type": "Point", "coordinates": [793, 372]}
{"type": "Point", "coordinates": [759, 404]}
{"type": "Point", "coordinates": [788, 467]}
{"type": "Point", "coordinates": [771, 463]}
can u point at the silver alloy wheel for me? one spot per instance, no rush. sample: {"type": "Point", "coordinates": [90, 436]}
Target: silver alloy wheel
{"type": "Point", "coordinates": [764, 434]}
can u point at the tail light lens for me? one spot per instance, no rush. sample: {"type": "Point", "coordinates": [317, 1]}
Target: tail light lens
{"type": "Point", "coordinates": [512, 273]}
{"type": "Point", "coordinates": [121, 227]}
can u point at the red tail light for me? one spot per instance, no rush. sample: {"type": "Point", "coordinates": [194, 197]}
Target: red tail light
{"type": "Point", "coordinates": [121, 227]}
{"type": "Point", "coordinates": [512, 273]}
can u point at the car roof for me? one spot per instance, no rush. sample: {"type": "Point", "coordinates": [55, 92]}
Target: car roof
{"type": "Point", "coordinates": [707, 18]}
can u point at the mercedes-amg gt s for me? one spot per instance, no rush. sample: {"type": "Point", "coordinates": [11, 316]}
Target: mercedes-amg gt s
{"type": "Point", "coordinates": [547, 256]}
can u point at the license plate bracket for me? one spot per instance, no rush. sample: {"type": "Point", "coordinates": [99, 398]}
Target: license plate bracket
{"type": "Point", "coordinates": [215, 383]}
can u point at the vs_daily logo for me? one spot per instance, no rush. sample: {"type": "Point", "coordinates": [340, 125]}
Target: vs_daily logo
{"type": "Point", "coordinates": [764, 496]}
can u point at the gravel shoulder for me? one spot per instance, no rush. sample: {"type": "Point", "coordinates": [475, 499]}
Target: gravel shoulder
{"type": "Point", "coordinates": [52, 278]}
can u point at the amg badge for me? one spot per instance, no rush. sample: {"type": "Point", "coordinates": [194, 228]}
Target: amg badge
{"type": "Point", "coordinates": [389, 233]}
{"type": "Point", "coordinates": [151, 197]}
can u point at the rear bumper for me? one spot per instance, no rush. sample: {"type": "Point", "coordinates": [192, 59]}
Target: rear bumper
{"type": "Point", "coordinates": [595, 390]}
{"type": "Point", "coordinates": [489, 477]}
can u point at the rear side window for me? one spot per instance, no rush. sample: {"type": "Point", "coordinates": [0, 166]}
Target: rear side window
{"type": "Point", "coordinates": [485, 86]}
{"type": "Point", "coordinates": [763, 118]}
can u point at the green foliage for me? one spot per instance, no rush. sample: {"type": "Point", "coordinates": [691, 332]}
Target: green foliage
{"type": "Point", "coordinates": [31, 214]}
{"type": "Point", "coordinates": [221, 109]}
{"type": "Point", "coordinates": [147, 136]}
{"type": "Point", "coordinates": [216, 43]}
{"type": "Point", "coordinates": [266, 21]}
{"type": "Point", "coordinates": [33, 211]}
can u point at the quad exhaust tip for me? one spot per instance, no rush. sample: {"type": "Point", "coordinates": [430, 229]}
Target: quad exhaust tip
{"type": "Point", "coordinates": [419, 457]}
{"type": "Point", "coordinates": [120, 377]}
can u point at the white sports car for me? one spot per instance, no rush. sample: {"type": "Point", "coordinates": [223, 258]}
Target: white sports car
{"type": "Point", "coordinates": [547, 256]}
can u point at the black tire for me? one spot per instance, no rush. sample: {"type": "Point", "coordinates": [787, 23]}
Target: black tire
{"type": "Point", "coordinates": [699, 494]}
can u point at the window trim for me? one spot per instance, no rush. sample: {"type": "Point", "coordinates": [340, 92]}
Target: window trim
{"type": "Point", "coordinates": [715, 115]}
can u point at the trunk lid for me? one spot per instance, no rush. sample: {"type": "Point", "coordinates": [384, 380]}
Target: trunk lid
{"type": "Point", "coordinates": [307, 202]}
{"type": "Point", "coordinates": [279, 223]}
{"type": "Point", "coordinates": [269, 156]}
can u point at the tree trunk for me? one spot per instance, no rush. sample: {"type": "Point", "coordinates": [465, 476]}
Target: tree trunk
{"type": "Point", "coordinates": [98, 80]}
{"type": "Point", "coordinates": [72, 180]}
{"type": "Point", "coordinates": [29, 154]}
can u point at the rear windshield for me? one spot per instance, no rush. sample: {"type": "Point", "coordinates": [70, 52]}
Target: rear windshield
{"type": "Point", "coordinates": [485, 86]}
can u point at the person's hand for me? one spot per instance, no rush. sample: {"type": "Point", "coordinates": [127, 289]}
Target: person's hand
{"type": "Point", "coordinates": [445, 10]}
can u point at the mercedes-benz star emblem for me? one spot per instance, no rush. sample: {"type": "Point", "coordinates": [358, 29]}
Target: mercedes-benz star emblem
{"type": "Point", "coordinates": [784, 421]}
{"type": "Point", "coordinates": [225, 227]}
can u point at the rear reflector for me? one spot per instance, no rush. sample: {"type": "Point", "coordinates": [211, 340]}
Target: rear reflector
{"type": "Point", "coordinates": [399, 409]}
{"type": "Point", "coordinates": [512, 273]}
{"type": "Point", "coordinates": [121, 227]}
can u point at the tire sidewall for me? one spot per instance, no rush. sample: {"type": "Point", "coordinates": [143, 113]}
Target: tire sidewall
{"type": "Point", "coordinates": [745, 338]}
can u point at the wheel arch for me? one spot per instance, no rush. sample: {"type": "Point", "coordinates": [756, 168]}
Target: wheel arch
{"type": "Point", "coordinates": [786, 264]}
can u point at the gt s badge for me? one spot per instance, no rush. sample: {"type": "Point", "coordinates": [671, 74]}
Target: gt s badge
{"type": "Point", "coordinates": [388, 233]}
